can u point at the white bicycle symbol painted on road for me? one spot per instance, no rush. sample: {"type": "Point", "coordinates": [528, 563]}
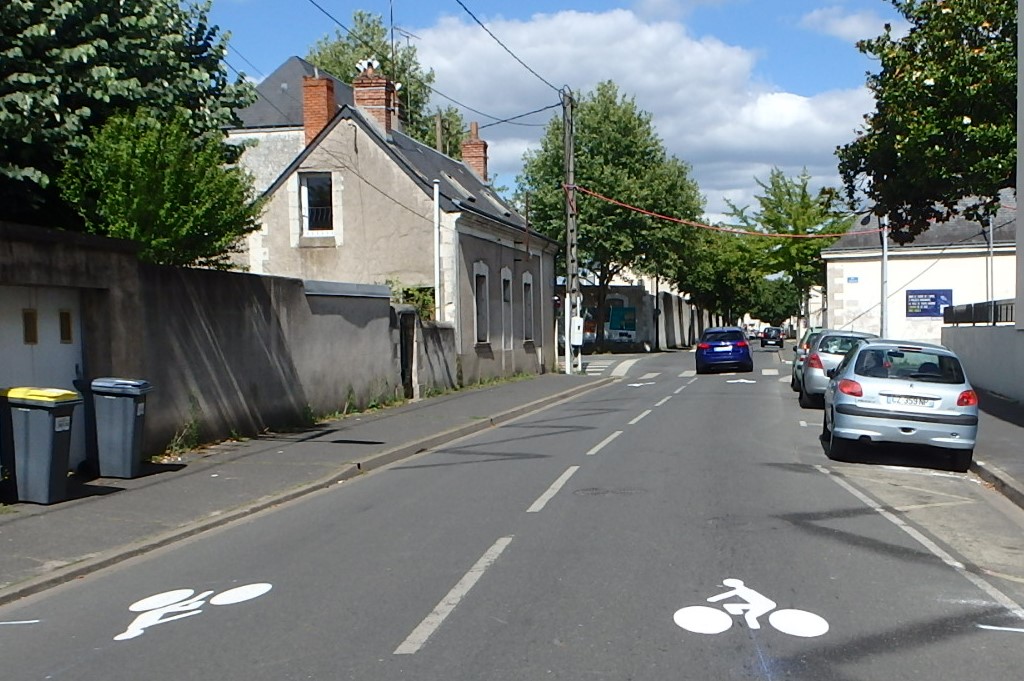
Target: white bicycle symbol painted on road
{"type": "Point", "coordinates": [180, 603]}
{"type": "Point", "coordinates": [703, 619]}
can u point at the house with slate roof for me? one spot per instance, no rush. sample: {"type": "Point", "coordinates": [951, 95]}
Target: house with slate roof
{"type": "Point", "coordinates": [946, 265]}
{"type": "Point", "coordinates": [351, 198]}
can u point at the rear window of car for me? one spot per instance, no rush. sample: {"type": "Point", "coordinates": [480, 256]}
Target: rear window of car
{"type": "Point", "coordinates": [837, 345]}
{"type": "Point", "coordinates": [710, 336]}
{"type": "Point", "coordinates": [772, 331]}
{"type": "Point", "coordinates": [910, 365]}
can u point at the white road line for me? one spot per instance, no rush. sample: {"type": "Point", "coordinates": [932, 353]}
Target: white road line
{"type": "Point", "coordinates": [433, 621]}
{"type": "Point", "coordinates": [623, 367]}
{"type": "Point", "coordinates": [637, 419]}
{"type": "Point", "coordinates": [687, 373]}
{"type": "Point", "coordinates": [603, 443]}
{"type": "Point", "coordinates": [651, 375]}
{"type": "Point", "coordinates": [803, 424]}
{"type": "Point", "coordinates": [992, 628]}
{"type": "Point", "coordinates": [691, 380]}
{"type": "Point", "coordinates": [784, 379]}
{"type": "Point", "coordinates": [769, 372]}
{"type": "Point", "coordinates": [662, 401]}
{"type": "Point", "coordinates": [22, 622]}
{"type": "Point", "coordinates": [994, 593]}
{"type": "Point", "coordinates": [679, 390]}
{"type": "Point", "coordinates": [553, 490]}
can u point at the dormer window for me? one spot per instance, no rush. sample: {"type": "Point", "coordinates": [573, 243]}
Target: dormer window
{"type": "Point", "coordinates": [317, 204]}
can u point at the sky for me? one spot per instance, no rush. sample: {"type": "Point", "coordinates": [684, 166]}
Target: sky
{"type": "Point", "coordinates": [735, 87]}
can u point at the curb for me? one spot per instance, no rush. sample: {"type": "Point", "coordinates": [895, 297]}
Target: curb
{"type": "Point", "coordinates": [1003, 482]}
{"type": "Point", "coordinates": [34, 585]}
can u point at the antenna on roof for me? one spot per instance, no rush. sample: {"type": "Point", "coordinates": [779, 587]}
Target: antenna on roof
{"type": "Point", "coordinates": [394, 57]}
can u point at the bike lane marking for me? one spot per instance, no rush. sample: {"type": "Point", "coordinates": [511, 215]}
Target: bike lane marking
{"type": "Point", "coordinates": [603, 443]}
{"type": "Point", "coordinates": [994, 593]}
{"type": "Point", "coordinates": [432, 622]}
{"type": "Point", "coordinates": [553, 490]}
{"type": "Point", "coordinates": [637, 420]}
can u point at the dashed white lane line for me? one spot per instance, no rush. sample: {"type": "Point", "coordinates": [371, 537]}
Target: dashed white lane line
{"type": "Point", "coordinates": [623, 367]}
{"type": "Point", "coordinates": [433, 621]}
{"type": "Point", "coordinates": [662, 401]}
{"type": "Point", "coordinates": [688, 373]}
{"type": "Point", "coordinates": [679, 389]}
{"type": "Point", "coordinates": [637, 419]}
{"type": "Point", "coordinates": [803, 424]}
{"type": "Point", "coordinates": [769, 372]}
{"type": "Point", "coordinates": [691, 380]}
{"type": "Point", "coordinates": [651, 375]}
{"type": "Point", "coordinates": [553, 490]}
{"type": "Point", "coordinates": [603, 443]}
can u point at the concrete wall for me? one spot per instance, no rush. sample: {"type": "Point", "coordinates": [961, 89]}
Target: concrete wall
{"type": "Point", "coordinates": [993, 356]}
{"type": "Point", "coordinates": [230, 352]}
{"type": "Point", "coordinates": [436, 358]}
{"type": "Point", "coordinates": [243, 353]}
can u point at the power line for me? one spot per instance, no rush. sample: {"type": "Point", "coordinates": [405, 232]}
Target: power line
{"type": "Point", "coordinates": [504, 47]}
{"type": "Point", "coordinates": [375, 48]}
{"type": "Point", "coordinates": [528, 113]}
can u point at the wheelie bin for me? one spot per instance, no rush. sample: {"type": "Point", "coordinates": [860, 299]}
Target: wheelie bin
{"type": "Point", "coordinates": [120, 408]}
{"type": "Point", "coordinates": [40, 435]}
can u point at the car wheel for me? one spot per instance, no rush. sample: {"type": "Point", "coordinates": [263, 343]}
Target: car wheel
{"type": "Point", "coordinates": [701, 370]}
{"type": "Point", "coordinates": [836, 448]}
{"type": "Point", "coordinates": [793, 385]}
{"type": "Point", "coordinates": [762, 344]}
{"type": "Point", "coordinates": [962, 460]}
{"type": "Point", "coordinates": [806, 401]}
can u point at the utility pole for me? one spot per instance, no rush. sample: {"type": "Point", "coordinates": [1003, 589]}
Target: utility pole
{"type": "Point", "coordinates": [573, 313]}
{"type": "Point", "coordinates": [884, 326]}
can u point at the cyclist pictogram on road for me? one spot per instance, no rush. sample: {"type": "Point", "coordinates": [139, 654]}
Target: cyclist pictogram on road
{"type": "Point", "coordinates": [181, 603]}
{"type": "Point", "coordinates": [704, 619]}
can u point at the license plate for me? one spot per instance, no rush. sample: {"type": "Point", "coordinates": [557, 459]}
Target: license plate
{"type": "Point", "coordinates": [906, 401]}
{"type": "Point", "coordinates": [723, 348]}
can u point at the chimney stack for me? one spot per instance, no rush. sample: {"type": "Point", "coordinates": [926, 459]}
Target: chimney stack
{"type": "Point", "coordinates": [318, 105]}
{"type": "Point", "coordinates": [376, 95]}
{"type": "Point", "coordinates": [474, 152]}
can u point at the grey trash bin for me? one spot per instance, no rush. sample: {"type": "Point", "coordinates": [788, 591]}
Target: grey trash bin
{"type": "Point", "coordinates": [40, 435]}
{"type": "Point", "coordinates": [120, 407]}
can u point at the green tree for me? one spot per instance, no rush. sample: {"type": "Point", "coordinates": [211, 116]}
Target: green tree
{"type": "Point", "coordinates": [368, 37]}
{"type": "Point", "coordinates": [944, 125]}
{"type": "Point", "coordinates": [153, 182]}
{"type": "Point", "coordinates": [721, 272]}
{"type": "Point", "coordinates": [789, 209]}
{"type": "Point", "coordinates": [67, 67]}
{"type": "Point", "coordinates": [775, 301]}
{"type": "Point", "coordinates": [619, 155]}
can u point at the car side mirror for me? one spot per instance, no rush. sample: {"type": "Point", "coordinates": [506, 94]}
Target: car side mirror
{"type": "Point", "coordinates": [830, 373]}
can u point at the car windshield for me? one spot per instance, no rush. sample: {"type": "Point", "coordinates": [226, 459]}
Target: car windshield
{"type": "Point", "coordinates": [712, 336]}
{"type": "Point", "coordinates": [837, 345]}
{"type": "Point", "coordinates": [909, 364]}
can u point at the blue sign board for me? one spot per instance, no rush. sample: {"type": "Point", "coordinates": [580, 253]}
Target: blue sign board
{"type": "Point", "coordinates": [928, 303]}
{"type": "Point", "coordinates": [852, 280]}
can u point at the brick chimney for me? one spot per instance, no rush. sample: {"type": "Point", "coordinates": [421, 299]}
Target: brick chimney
{"type": "Point", "coordinates": [474, 152]}
{"type": "Point", "coordinates": [376, 95]}
{"type": "Point", "coordinates": [318, 104]}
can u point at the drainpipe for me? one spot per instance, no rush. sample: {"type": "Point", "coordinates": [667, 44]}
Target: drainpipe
{"type": "Point", "coordinates": [438, 303]}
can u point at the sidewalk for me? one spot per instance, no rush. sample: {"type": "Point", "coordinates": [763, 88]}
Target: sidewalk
{"type": "Point", "coordinates": [109, 520]}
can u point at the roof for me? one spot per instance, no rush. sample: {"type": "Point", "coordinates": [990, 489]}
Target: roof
{"type": "Point", "coordinates": [461, 189]}
{"type": "Point", "coordinates": [956, 233]}
{"type": "Point", "coordinates": [279, 96]}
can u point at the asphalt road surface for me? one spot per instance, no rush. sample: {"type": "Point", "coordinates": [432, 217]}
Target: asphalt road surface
{"type": "Point", "coordinates": [666, 527]}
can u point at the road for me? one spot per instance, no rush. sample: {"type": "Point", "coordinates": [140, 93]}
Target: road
{"type": "Point", "coordinates": [668, 526]}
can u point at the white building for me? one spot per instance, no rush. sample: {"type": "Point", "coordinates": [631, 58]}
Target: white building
{"type": "Point", "coordinates": [946, 265]}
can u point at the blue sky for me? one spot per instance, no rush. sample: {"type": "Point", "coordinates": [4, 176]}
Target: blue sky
{"type": "Point", "coordinates": [736, 87]}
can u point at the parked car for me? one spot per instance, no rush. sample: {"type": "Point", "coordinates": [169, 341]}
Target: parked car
{"type": "Point", "coordinates": [723, 347]}
{"type": "Point", "coordinates": [827, 348]}
{"type": "Point", "coordinates": [772, 336]}
{"type": "Point", "coordinates": [901, 392]}
{"type": "Point", "coordinates": [799, 352]}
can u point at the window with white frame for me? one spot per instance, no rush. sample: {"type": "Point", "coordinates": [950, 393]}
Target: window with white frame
{"type": "Point", "coordinates": [480, 301]}
{"type": "Point", "coordinates": [506, 309]}
{"type": "Point", "coordinates": [317, 201]}
{"type": "Point", "coordinates": [527, 306]}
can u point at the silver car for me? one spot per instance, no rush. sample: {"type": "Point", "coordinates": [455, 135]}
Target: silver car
{"type": "Point", "coordinates": [799, 353]}
{"type": "Point", "coordinates": [827, 349]}
{"type": "Point", "coordinates": [901, 392]}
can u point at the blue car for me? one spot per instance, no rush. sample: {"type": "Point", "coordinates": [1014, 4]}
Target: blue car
{"type": "Point", "coordinates": [724, 347]}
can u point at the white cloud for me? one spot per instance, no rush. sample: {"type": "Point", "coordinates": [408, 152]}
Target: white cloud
{"type": "Point", "coordinates": [850, 27]}
{"type": "Point", "coordinates": [702, 95]}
